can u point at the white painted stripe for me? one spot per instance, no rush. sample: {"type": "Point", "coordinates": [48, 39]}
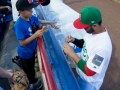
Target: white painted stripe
{"type": "Point", "coordinates": [40, 68]}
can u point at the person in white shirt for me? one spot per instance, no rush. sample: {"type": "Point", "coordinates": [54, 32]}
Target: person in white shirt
{"type": "Point", "coordinates": [96, 49]}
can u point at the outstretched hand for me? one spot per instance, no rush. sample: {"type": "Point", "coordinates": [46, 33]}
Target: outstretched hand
{"type": "Point", "coordinates": [53, 25]}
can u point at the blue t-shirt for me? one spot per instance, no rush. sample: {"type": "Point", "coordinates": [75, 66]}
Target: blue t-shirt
{"type": "Point", "coordinates": [1, 88]}
{"type": "Point", "coordinates": [23, 30]}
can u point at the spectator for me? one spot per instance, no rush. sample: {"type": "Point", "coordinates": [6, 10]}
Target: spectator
{"type": "Point", "coordinates": [6, 80]}
{"type": "Point", "coordinates": [26, 35]}
{"type": "Point", "coordinates": [5, 6]}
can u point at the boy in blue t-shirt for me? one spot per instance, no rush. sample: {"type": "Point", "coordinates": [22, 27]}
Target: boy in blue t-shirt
{"type": "Point", "coordinates": [24, 30]}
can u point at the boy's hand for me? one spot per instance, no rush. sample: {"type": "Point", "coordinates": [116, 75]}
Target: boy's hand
{"type": "Point", "coordinates": [69, 39]}
{"type": "Point", "coordinates": [44, 29]}
{"type": "Point", "coordinates": [38, 33]}
{"type": "Point", "coordinates": [53, 24]}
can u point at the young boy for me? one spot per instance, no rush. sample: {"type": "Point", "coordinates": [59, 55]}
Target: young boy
{"type": "Point", "coordinates": [24, 30]}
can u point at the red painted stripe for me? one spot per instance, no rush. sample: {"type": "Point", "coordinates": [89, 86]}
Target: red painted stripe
{"type": "Point", "coordinates": [46, 66]}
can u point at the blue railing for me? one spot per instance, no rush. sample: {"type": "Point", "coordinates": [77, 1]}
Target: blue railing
{"type": "Point", "coordinates": [62, 73]}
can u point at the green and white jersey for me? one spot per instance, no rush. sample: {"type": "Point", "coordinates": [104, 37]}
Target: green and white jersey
{"type": "Point", "coordinates": [96, 52]}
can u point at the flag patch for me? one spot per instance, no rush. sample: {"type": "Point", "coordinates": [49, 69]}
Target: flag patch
{"type": "Point", "coordinates": [97, 60]}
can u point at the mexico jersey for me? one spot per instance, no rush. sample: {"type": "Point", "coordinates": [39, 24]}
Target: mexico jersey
{"type": "Point", "coordinates": [96, 52]}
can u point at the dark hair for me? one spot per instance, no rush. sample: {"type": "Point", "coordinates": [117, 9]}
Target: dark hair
{"type": "Point", "coordinates": [100, 22]}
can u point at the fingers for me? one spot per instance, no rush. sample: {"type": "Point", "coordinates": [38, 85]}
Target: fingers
{"type": "Point", "coordinates": [57, 25]}
{"type": "Point", "coordinates": [67, 49]}
{"type": "Point", "coordinates": [44, 29]}
{"type": "Point", "coordinates": [9, 8]}
{"type": "Point", "coordinates": [68, 39]}
{"type": "Point", "coordinates": [38, 33]}
{"type": "Point", "coordinates": [53, 25]}
{"type": "Point", "coordinates": [66, 45]}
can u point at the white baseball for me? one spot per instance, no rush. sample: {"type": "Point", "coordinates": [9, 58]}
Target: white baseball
{"type": "Point", "coordinates": [57, 25]}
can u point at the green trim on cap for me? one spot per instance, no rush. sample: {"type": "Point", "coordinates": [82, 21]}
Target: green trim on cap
{"type": "Point", "coordinates": [90, 15]}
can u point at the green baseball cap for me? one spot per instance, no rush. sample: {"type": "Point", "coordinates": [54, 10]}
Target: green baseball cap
{"type": "Point", "coordinates": [89, 15]}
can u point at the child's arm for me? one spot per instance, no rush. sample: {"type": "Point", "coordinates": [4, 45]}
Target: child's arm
{"type": "Point", "coordinates": [7, 7]}
{"type": "Point", "coordinates": [45, 22]}
{"type": "Point", "coordinates": [48, 22]}
{"type": "Point", "coordinates": [38, 33]}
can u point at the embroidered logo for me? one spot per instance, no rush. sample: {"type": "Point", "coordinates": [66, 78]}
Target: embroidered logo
{"type": "Point", "coordinates": [97, 60]}
{"type": "Point", "coordinates": [29, 29]}
{"type": "Point", "coordinates": [85, 54]}
{"type": "Point", "coordinates": [94, 67]}
{"type": "Point", "coordinates": [31, 34]}
{"type": "Point", "coordinates": [92, 21]}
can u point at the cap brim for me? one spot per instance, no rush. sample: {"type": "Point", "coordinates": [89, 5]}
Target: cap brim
{"type": "Point", "coordinates": [79, 25]}
{"type": "Point", "coordinates": [44, 3]}
{"type": "Point", "coordinates": [33, 5]}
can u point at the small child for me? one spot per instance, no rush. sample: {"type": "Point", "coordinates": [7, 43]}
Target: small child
{"type": "Point", "coordinates": [27, 36]}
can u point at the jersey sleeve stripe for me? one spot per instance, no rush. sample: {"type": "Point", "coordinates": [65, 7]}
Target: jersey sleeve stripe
{"type": "Point", "coordinates": [81, 64]}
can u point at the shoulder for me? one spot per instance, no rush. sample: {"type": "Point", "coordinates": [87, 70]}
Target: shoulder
{"type": "Point", "coordinates": [33, 17]}
{"type": "Point", "coordinates": [19, 24]}
{"type": "Point", "coordinates": [19, 21]}
{"type": "Point", "coordinates": [105, 42]}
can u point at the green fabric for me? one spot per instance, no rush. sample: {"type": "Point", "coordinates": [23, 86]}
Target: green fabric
{"type": "Point", "coordinates": [81, 65]}
{"type": "Point", "coordinates": [90, 15]}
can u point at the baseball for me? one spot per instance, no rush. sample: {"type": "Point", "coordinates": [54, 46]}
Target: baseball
{"type": "Point", "coordinates": [57, 25]}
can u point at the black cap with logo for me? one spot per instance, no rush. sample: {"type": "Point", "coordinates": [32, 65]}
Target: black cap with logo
{"type": "Point", "coordinates": [25, 4]}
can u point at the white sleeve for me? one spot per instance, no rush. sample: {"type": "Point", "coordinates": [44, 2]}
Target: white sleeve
{"type": "Point", "coordinates": [97, 60]}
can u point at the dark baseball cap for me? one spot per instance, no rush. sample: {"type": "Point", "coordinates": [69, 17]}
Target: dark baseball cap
{"type": "Point", "coordinates": [25, 4]}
